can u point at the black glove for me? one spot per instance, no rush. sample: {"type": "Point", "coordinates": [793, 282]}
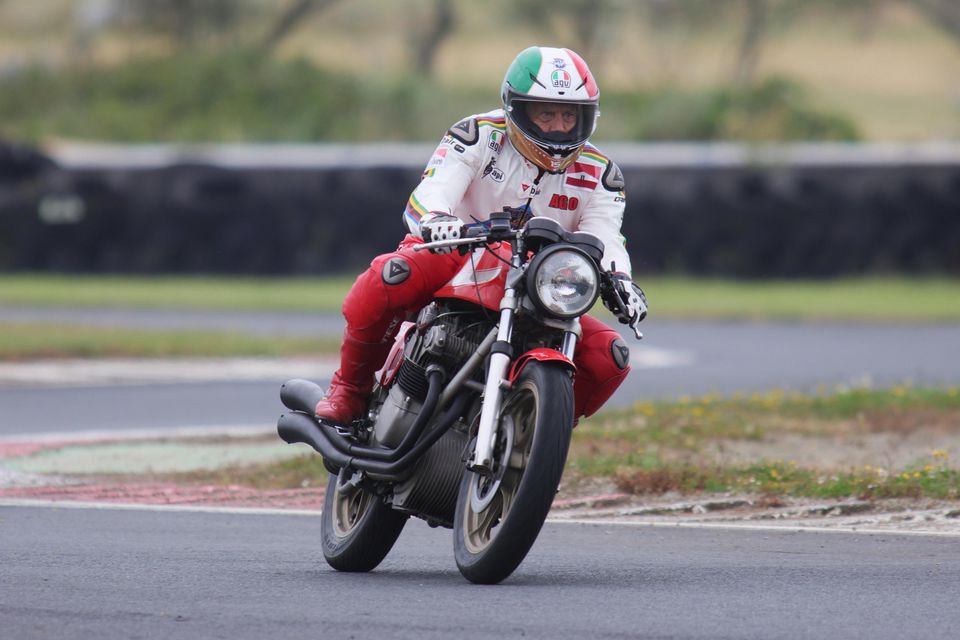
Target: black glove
{"type": "Point", "coordinates": [441, 227]}
{"type": "Point", "coordinates": [518, 216]}
{"type": "Point", "coordinates": [626, 301]}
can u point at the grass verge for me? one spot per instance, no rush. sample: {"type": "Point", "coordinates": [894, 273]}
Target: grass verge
{"type": "Point", "coordinates": [846, 299]}
{"type": "Point", "coordinates": [199, 292]}
{"type": "Point", "coordinates": [865, 443]}
{"type": "Point", "coordinates": [30, 342]}
{"type": "Point", "coordinates": [861, 443]}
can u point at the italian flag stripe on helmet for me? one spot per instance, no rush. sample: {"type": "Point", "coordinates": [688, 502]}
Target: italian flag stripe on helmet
{"type": "Point", "coordinates": [584, 72]}
{"type": "Point", "coordinates": [524, 72]}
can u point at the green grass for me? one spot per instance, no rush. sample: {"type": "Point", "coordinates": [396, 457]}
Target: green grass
{"type": "Point", "coordinates": [26, 342]}
{"type": "Point", "coordinates": [778, 479]}
{"type": "Point", "coordinates": [232, 294]}
{"type": "Point", "coordinates": [293, 473]}
{"type": "Point", "coordinates": [653, 448]}
{"type": "Point", "coordinates": [845, 299]}
{"type": "Point", "coordinates": [849, 299]}
{"type": "Point", "coordinates": [656, 448]}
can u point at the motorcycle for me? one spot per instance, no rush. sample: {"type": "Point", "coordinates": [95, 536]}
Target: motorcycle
{"type": "Point", "coordinates": [470, 421]}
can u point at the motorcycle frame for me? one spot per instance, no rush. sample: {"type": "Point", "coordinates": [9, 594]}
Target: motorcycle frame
{"type": "Point", "coordinates": [391, 465]}
{"type": "Point", "coordinates": [498, 344]}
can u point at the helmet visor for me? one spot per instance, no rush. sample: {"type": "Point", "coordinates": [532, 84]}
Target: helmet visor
{"type": "Point", "coordinates": [557, 127]}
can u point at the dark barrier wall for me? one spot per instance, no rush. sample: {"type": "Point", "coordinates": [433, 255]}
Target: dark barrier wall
{"type": "Point", "coordinates": [795, 221]}
{"type": "Point", "coordinates": [731, 218]}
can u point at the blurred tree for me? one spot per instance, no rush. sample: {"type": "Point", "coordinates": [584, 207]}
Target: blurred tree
{"type": "Point", "coordinates": [944, 14]}
{"type": "Point", "coordinates": [760, 17]}
{"type": "Point", "coordinates": [437, 27]}
{"type": "Point", "coordinates": [579, 19]}
{"type": "Point", "coordinates": [755, 25]}
{"type": "Point", "coordinates": [185, 21]}
{"type": "Point", "coordinates": [774, 109]}
{"type": "Point", "coordinates": [289, 20]}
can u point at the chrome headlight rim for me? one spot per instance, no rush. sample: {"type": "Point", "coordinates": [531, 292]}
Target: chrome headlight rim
{"type": "Point", "coordinates": [533, 292]}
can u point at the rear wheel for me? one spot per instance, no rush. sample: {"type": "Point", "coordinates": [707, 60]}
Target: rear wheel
{"type": "Point", "coordinates": [358, 529]}
{"type": "Point", "coordinates": [499, 515]}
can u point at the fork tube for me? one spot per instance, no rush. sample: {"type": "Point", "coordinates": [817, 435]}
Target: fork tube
{"type": "Point", "coordinates": [496, 378]}
{"type": "Point", "coordinates": [569, 344]}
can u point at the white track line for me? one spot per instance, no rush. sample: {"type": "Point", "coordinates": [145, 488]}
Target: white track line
{"type": "Point", "coordinates": [123, 506]}
{"type": "Point", "coordinates": [113, 506]}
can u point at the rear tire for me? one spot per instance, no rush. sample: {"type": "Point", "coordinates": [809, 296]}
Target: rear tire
{"type": "Point", "coordinates": [357, 528]}
{"type": "Point", "coordinates": [498, 517]}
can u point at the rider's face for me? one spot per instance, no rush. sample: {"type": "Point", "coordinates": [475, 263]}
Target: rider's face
{"type": "Point", "coordinates": [552, 117]}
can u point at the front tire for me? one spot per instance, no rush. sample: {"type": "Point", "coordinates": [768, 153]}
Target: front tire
{"type": "Point", "coordinates": [499, 516]}
{"type": "Point", "coordinates": [357, 528]}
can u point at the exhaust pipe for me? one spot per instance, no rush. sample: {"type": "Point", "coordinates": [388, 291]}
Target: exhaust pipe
{"type": "Point", "coordinates": [298, 427]}
{"type": "Point", "coordinates": [302, 395]}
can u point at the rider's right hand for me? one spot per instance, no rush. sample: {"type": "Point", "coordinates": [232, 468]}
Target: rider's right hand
{"type": "Point", "coordinates": [441, 227]}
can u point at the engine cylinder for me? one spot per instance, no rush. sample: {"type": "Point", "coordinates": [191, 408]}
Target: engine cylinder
{"type": "Point", "coordinates": [397, 415]}
{"type": "Point", "coordinates": [412, 378]}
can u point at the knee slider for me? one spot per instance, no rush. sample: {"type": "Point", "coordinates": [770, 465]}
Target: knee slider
{"type": "Point", "coordinates": [389, 287]}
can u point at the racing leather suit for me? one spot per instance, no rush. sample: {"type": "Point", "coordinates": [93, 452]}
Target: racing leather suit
{"type": "Point", "coordinates": [473, 172]}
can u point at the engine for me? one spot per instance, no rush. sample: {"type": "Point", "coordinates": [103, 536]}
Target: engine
{"type": "Point", "coordinates": [444, 337]}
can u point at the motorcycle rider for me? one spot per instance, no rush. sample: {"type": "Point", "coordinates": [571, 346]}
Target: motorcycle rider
{"type": "Point", "coordinates": [534, 156]}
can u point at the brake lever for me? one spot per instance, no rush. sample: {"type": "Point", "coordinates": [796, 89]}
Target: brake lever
{"type": "Point", "coordinates": [456, 242]}
{"type": "Point", "coordinates": [610, 294]}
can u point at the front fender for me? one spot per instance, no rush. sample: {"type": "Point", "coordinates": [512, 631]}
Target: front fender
{"type": "Point", "coordinates": [541, 354]}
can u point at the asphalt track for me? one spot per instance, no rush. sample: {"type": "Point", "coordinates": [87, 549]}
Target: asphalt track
{"type": "Point", "coordinates": [74, 571]}
{"type": "Point", "coordinates": [82, 573]}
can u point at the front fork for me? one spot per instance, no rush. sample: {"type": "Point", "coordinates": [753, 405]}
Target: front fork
{"type": "Point", "coordinates": [497, 382]}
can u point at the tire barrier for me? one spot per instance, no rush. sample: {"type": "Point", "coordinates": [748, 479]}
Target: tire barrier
{"type": "Point", "coordinates": [738, 218]}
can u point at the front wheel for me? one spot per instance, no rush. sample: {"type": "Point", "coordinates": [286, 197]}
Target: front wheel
{"type": "Point", "coordinates": [499, 515]}
{"type": "Point", "coordinates": [357, 528]}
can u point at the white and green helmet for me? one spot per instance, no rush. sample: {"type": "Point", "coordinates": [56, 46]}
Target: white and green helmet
{"type": "Point", "coordinates": [547, 74]}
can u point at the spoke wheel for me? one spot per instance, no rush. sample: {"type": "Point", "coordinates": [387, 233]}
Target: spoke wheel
{"type": "Point", "coordinates": [499, 515]}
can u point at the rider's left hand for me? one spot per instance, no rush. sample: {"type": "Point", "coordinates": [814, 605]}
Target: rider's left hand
{"type": "Point", "coordinates": [519, 216]}
{"type": "Point", "coordinates": [632, 303]}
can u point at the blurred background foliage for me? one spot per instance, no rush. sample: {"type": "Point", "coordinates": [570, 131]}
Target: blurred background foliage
{"type": "Point", "coordinates": [374, 70]}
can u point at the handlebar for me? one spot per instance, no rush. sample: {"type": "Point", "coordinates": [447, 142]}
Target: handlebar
{"type": "Point", "coordinates": [475, 235]}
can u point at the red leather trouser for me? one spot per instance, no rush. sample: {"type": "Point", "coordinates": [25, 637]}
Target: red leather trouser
{"type": "Point", "coordinates": [401, 283]}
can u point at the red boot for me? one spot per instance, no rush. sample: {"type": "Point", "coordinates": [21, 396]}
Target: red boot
{"type": "Point", "coordinates": [352, 383]}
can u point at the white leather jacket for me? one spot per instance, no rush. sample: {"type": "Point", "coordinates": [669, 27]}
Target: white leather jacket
{"type": "Point", "coordinates": [476, 171]}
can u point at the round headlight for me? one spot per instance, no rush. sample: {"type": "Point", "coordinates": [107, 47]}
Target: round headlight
{"type": "Point", "coordinates": [563, 282]}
